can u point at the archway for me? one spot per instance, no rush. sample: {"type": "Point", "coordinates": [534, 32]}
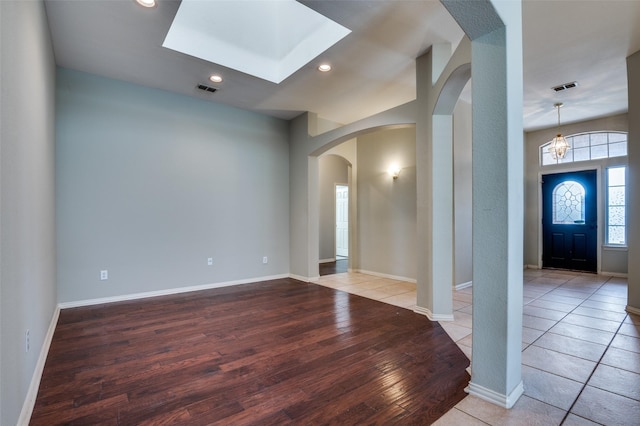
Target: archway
{"type": "Point", "coordinates": [334, 148]}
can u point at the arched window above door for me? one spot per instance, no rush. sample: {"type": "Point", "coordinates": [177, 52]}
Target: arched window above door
{"type": "Point", "coordinates": [588, 146]}
{"type": "Point", "coordinates": [568, 203]}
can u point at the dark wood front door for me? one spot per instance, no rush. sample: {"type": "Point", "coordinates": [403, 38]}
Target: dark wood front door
{"type": "Point", "coordinates": [569, 220]}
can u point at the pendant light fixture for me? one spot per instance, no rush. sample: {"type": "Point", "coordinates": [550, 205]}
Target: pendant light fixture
{"type": "Point", "coordinates": [559, 145]}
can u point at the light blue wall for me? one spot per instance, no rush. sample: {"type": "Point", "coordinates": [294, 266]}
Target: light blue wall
{"type": "Point", "coordinates": [27, 253]}
{"type": "Point", "coordinates": [387, 207]}
{"type": "Point", "coordinates": [463, 257]}
{"type": "Point", "coordinates": [150, 184]}
{"type": "Point", "coordinates": [633, 233]}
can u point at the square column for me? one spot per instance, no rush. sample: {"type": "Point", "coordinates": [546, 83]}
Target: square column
{"type": "Point", "coordinates": [633, 189]}
{"type": "Point", "coordinates": [434, 174]}
{"type": "Point", "coordinates": [495, 29]}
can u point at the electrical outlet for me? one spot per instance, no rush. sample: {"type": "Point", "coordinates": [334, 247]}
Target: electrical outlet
{"type": "Point", "coordinates": [27, 341]}
{"type": "Point", "coordinates": [104, 275]}
{"type": "Point", "coordinates": [210, 261]}
{"type": "Point", "coordinates": [265, 260]}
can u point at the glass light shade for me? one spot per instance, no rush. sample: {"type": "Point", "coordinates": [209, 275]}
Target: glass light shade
{"type": "Point", "coordinates": [559, 147]}
{"type": "Point", "coordinates": [394, 171]}
{"type": "Point", "coordinates": [146, 3]}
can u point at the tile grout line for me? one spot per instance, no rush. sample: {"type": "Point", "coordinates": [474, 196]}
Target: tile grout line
{"type": "Point", "coordinates": [597, 363]}
{"type": "Point", "coordinates": [567, 313]}
{"type": "Point", "coordinates": [568, 412]}
{"type": "Point", "coordinates": [593, 371]}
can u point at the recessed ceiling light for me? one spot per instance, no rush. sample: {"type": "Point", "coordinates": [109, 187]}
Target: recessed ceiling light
{"type": "Point", "coordinates": [215, 78]}
{"type": "Point", "coordinates": [146, 3]}
{"type": "Point", "coordinates": [324, 68]}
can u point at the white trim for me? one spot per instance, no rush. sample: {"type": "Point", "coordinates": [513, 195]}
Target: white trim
{"type": "Point", "coordinates": [392, 277]}
{"type": "Point", "coordinates": [423, 311]}
{"type": "Point", "coordinates": [432, 317]}
{"type": "Point", "coordinates": [335, 213]}
{"type": "Point", "coordinates": [461, 286]}
{"type": "Point", "coordinates": [169, 291]}
{"type": "Point", "coordinates": [329, 260]}
{"type": "Point", "coordinates": [532, 267]}
{"type": "Point", "coordinates": [610, 247]}
{"type": "Point", "coordinates": [614, 274]}
{"type": "Point", "coordinates": [633, 310]}
{"type": "Point", "coordinates": [300, 278]}
{"type": "Point", "coordinates": [505, 401]}
{"type": "Point", "coordinates": [32, 392]}
{"type": "Point", "coordinates": [304, 279]}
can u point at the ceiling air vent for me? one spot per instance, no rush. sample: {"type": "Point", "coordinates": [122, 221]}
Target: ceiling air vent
{"type": "Point", "coordinates": [206, 88]}
{"type": "Point", "coordinates": [565, 86]}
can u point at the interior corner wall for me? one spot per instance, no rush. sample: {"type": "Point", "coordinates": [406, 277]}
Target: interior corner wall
{"type": "Point", "coordinates": [387, 207]}
{"type": "Point", "coordinates": [614, 262]}
{"type": "Point", "coordinates": [462, 136]}
{"type": "Point", "coordinates": [332, 170]}
{"type": "Point", "coordinates": [150, 184]}
{"type": "Point", "coordinates": [27, 221]}
{"type": "Point", "coordinates": [633, 208]}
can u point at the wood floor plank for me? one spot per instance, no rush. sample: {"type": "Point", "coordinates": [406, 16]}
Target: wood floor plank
{"type": "Point", "coordinates": [276, 352]}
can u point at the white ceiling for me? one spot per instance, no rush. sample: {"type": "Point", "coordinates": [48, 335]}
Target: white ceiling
{"type": "Point", "coordinates": [268, 39]}
{"type": "Point", "coordinates": [373, 67]}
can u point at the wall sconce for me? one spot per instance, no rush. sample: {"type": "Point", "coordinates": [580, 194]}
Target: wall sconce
{"type": "Point", "coordinates": [394, 171]}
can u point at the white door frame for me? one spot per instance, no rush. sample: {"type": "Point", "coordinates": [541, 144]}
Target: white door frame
{"type": "Point", "coordinates": [346, 185]}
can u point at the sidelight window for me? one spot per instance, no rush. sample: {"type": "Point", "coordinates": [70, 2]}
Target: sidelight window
{"type": "Point", "coordinates": [616, 206]}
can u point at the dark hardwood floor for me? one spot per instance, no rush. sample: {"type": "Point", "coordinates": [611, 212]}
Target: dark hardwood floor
{"type": "Point", "coordinates": [335, 267]}
{"type": "Point", "coordinates": [277, 352]}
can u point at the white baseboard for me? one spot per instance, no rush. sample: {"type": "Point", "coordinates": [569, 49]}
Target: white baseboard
{"type": "Point", "coordinates": [531, 267]}
{"type": "Point", "coordinates": [423, 311]}
{"type": "Point", "coordinates": [460, 286]}
{"type": "Point", "coordinates": [505, 401]}
{"type": "Point", "coordinates": [299, 278]}
{"type": "Point", "coordinates": [331, 259]}
{"type": "Point", "coordinates": [32, 392]}
{"type": "Point", "coordinates": [381, 275]}
{"type": "Point", "coordinates": [432, 317]}
{"type": "Point", "coordinates": [614, 274]}
{"type": "Point", "coordinates": [170, 291]}
{"type": "Point", "coordinates": [303, 279]}
{"type": "Point", "coordinates": [633, 310]}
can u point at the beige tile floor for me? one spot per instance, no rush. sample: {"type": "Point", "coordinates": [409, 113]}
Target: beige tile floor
{"type": "Point", "coordinates": [580, 348]}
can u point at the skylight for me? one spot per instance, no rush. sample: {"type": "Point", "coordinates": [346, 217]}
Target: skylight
{"type": "Point", "coordinates": [265, 38]}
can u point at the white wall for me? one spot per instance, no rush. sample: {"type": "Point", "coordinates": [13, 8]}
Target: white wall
{"type": "Point", "coordinates": [387, 207]}
{"type": "Point", "coordinates": [332, 170]}
{"type": "Point", "coordinates": [611, 260]}
{"type": "Point", "coordinates": [27, 231]}
{"type": "Point", "coordinates": [150, 184]}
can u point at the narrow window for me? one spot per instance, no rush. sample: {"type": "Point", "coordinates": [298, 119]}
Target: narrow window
{"type": "Point", "coordinates": [616, 206]}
